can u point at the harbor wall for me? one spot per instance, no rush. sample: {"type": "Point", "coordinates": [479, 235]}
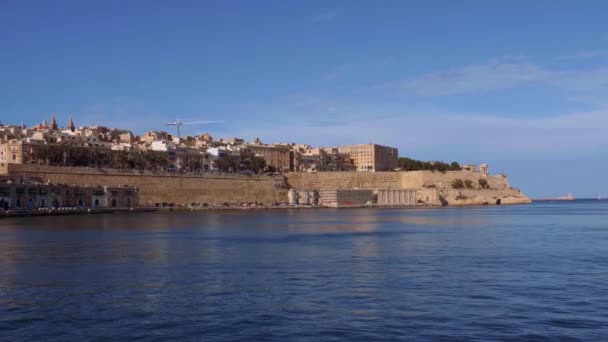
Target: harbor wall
{"type": "Point", "coordinates": [498, 185]}
{"type": "Point", "coordinates": [484, 197]}
{"type": "Point", "coordinates": [165, 188]}
{"type": "Point", "coordinates": [343, 180]}
{"type": "Point", "coordinates": [389, 180]}
{"type": "Point", "coordinates": [184, 189]}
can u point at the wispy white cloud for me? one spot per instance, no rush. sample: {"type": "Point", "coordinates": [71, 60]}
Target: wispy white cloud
{"type": "Point", "coordinates": [343, 69]}
{"type": "Point", "coordinates": [476, 78]}
{"type": "Point", "coordinates": [446, 133]}
{"type": "Point", "coordinates": [584, 55]}
{"type": "Point", "coordinates": [322, 119]}
{"type": "Point", "coordinates": [355, 68]}
{"type": "Point", "coordinates": [332, 120]}
{"type": "Point", "coordinates": [587, 85]}
{"type": "Point", "coordinates": [324, 16]}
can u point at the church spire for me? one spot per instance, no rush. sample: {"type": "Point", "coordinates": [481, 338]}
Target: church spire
{"type": "Point", "coordinates": [53, 123]}
{"type": "Point", "coordinates": [71, 126]}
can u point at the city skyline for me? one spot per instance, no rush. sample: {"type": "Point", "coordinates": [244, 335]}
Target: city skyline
{"type": "Point", "coordinates": [521, 87]}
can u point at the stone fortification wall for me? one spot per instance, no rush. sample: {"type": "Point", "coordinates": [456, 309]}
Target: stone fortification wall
{"type": "Point", "coordinates": [483, 197]}
{"type": "Point", "coordinates": [343, 180]}
{"type": "Point", "coordinates": [388, 180]}
{"type": "Point", "coordinates": [345, 198]}
{"type": "Point", "coordinates": [409, 197]}
{"type": "Point", "coordinates": [499, 191]}
{"type": "Point", "coordinates": [184, 189]}
{"type": "Point", "coordinates": [421, 179]}
{"type": "Point", "coordinates": [415, 180]}
{"type": "Point", "coordinates": [159, 188]}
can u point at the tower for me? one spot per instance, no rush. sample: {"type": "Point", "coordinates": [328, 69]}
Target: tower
{"type": "Point", "coordinates": [71, 126]}
{"type": "Point", "coordinates": [53, 123]}
{"type": "Point", "coordinates": [484, 169]}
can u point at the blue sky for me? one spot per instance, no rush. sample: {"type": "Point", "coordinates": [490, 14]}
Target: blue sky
{"type": "Point", "coordinates": [522, 85]}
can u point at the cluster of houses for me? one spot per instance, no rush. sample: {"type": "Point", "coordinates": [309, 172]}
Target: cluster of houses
{"type": "Point", "coordinates": [98, 146]}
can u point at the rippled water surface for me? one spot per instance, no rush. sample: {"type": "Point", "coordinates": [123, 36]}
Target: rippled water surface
{"type": "Point", "coordinates": [537, 272]}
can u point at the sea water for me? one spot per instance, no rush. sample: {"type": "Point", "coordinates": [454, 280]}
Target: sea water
{"type": "Point", "coordinates": [529, 272]}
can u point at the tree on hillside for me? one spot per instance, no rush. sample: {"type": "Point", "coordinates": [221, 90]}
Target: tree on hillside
{"type": "Point", "coordinates": [409, 164]}
{"type": "Point", "coordinates": [457, 184]}
{"type": "Point", "coordinates": [468, 184]}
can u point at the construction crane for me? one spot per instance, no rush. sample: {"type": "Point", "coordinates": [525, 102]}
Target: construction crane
{"type": "Point", "coordinates": [178, 124]}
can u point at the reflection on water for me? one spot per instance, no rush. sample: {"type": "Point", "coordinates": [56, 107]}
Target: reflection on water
{"type": "Point", "coordinates": [490, 273]}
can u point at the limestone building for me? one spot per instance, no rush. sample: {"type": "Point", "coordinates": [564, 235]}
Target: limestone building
{"type": "Point", "coordinates": [28, 193]}
{"type": "Point", "coordinates": [275, 155]}
{"type": "Point", "coordinates": [20, 151]}
{"type": "Point", "coordinates": [371, 157]}
{"type": "Point", "coordinates": [11, 153]}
